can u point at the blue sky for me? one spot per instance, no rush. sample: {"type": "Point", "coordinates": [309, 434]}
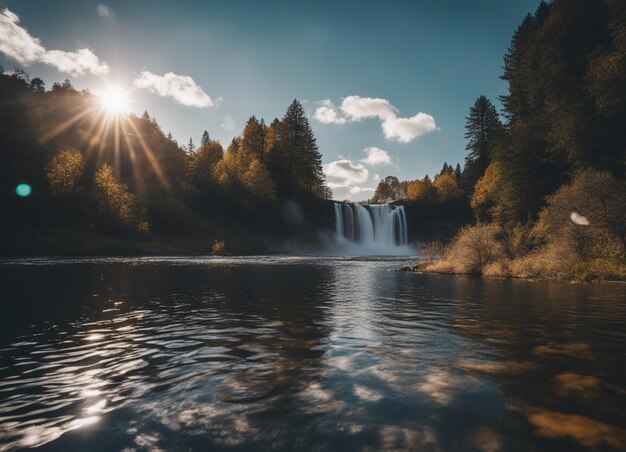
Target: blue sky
{"type": "Point", "coordinates": [431, 57]}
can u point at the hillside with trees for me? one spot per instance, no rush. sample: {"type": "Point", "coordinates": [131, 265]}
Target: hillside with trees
{"type": "Point", "coordinates": [101, 183]}
{"type": "Point", "coordinates": [547, 186]}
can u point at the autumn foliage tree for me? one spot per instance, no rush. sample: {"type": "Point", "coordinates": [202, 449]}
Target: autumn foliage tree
{"type": "Point", "coordinates": [65, 171]}
{"type": "Point", "coordinates": [201, 164]}
{"type": "Point", "coordinates": [447, 187]}
{"type": "Point", "coordinates": [421, 190]}
{"type": "Point", "coordinates": [258, 181]}
{"type": "Point", "coordinates": [388, 189]}
{"type": "Point", "coordinates": [115, 201]}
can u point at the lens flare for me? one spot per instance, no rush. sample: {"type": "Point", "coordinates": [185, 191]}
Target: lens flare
{"type": "Point", "coordinates": [23, 190]}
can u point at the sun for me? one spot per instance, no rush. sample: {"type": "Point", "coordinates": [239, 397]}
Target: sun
{"type": "Point", "coordinates": [115, 100]}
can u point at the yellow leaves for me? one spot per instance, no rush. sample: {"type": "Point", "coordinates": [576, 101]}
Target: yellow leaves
{"type": "Point", "coordinates": [444, 188]}
{"type": "Point", "coordinates": [229, 170]}
{"type": "Point", "coordinates": [202, 163]}
{"type": "Point", "coordinates": [64, 172]}
{"type": "Point", "coordinates": [487, 192]}
{"type": "Point", "coordinates": [113, 197]}
{"type": "Point", "coordinates": [258, 181]}
{"type": "Point", "coordinates": [447, 187]}
{"type": "Point", "coordinates": [420, 190]}
{"type": "Point", "coordinates": [237, 168]}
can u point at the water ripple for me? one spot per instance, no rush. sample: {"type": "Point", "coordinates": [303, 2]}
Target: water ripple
{"type": "Point", "coordinates": [285, 352]}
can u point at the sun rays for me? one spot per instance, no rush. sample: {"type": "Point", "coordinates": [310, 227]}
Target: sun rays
{"type": "Point", "coordinates": [115, 100]}
{"type": "Point", "coordinates": [110, 130]}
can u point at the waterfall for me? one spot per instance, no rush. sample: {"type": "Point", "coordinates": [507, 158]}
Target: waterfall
{"type": "Point", "coordinates": [371, 229]}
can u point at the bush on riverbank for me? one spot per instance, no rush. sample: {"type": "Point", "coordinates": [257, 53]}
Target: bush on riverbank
{"type": "Point", "coordinates": [580, 234]}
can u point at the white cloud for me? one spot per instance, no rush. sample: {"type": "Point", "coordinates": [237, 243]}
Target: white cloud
{"type": "Point", "coordinates": [376, 156]}
{"type": "Point", "coordinates": [345, 173]}
{"type": "Point", "coordinates": [228, 124]}
{"type": "Point", "coordinates": [326, 113]}
{"type": "Point", "coordinates": [406, 130]}
{"type": "Point", "coordinates": [17, 44]}
{"type": "Point", "coordinates": [181, 88]}
{"type": "Point", "coordinates": [77, 63]}
{"type": "Point", "coordinates": [336, 185]}
{"type": "Point", "coordinates": [357, 190]}
{"type": "Point", "coordinates": [377, 177]}
{"type": "Point", "coordinates": [357, 108]}
{"type": "Point", "coordinates": [104, 11]}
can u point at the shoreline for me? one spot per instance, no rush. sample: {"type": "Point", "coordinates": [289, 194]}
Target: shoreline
{"type": "Point", "coordinates": [416, 269]}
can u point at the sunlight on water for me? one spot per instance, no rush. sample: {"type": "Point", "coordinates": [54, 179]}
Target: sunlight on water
{"type": "Point", "coordinates": [280, 352]}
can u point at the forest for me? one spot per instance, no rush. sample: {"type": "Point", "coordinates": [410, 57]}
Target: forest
{"type": "Point", "coordinates": [102, 183]}
{"type": "Point", "coordinates": [544, 180]}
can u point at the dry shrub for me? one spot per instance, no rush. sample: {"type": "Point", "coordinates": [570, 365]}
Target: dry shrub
{"type": "Point", "coordinates": [498, 269]}
{"type": "Point", "coordinates": [548, 262]}
{"type": "Point", "coordinates": [519, 240]}
{"type": "Point", "coordinates": [441, 266]}
{"type": "Point", "coordinates": [431, 251]}
{"type": "Point", "coordinates": [219, 248]}
{"type": "Point", "coordinates": [475, 247]}
{"type": "Point", "coordinates": [600, 198]}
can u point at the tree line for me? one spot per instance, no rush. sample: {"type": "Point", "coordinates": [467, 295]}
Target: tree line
{"type": "Point", "coordinates": [123, 176]}
{"type": "Point", "coordinates": [545, 180]}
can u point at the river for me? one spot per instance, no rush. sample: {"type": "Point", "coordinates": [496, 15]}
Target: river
{"type": "Point", "coordinates": [304, 353]}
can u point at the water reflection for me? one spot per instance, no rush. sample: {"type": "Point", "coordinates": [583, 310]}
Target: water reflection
{"type": "Point", "coordinates": [286, 353]}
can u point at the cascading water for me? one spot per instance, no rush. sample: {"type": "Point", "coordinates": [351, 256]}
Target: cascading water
{"type": "Point", "coordinates": [371, 229]}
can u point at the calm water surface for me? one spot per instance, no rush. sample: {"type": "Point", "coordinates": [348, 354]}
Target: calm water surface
{"type": "Point", "coordinates": [304, 353]}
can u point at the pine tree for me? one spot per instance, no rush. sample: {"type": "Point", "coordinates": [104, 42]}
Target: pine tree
{"type": "Point", "coordinates": [296, 156]}
{"type": "Point", "coordinates": [37, 85]}
{"type": "Point", "coordinates": [483, 130]}
{"type": "Point", "coordinates": [458, 173]}
{"type": "Point", "coordinates": [190, 147]}
{"type": "Point", "coordinates": [205, 139]}
{"type": "Point", "coordinates": [293, 139]}
{"type": "Point", "coordinates": [311, 168]}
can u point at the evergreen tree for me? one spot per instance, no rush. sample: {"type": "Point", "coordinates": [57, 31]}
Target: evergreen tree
{"type": "Point", "coordinates": [483, 130]}
{"type": "Point", "coordinates": [458, 173]}
{"type": "Point", "coordinates": [205, 139]}
{"type": "Point", "coordinates": [190, 147]}
{"type": "Point", "coordinates": [311, 171]}
{"type": "Point", "coordinates": [155, 124]}
{"type": "Point", "coordinates": [295, 160]}
{"type": "Point", "coordinates": [293, 138]}
{"type": "Point", "coordinates": [38, 85]}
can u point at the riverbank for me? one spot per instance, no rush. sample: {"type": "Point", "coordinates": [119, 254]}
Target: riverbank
{"type": "Point", "coordinates": [74, 242]}
{"type": "Point", "coordinates": [597, 271]}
